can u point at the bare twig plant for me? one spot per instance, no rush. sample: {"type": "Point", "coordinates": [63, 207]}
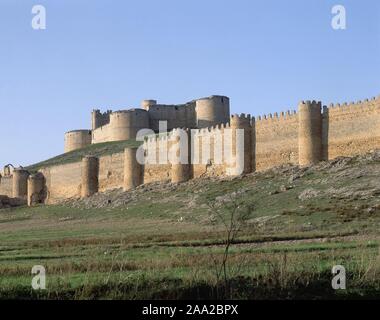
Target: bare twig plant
{"type": "Point", "coordinates": [233, 215]}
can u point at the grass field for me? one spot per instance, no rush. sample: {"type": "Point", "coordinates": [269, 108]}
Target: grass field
{"type": "Point", "coordinates": [162, 241]}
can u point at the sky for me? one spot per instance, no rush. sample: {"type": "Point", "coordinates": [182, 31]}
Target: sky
{"type": "Point", "coordinates": [266, 55]}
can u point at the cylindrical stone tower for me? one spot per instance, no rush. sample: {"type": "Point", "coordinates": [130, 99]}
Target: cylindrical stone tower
{"type": "Point", "coordinates": [241, 128]}
{"type": "Point", "coordinates": [310, 132]}
{"type": "Point", "coordinates": [90, 173]}
{"type": "Point", "coordinates": [132, 170]}
{"type": "Point", "coordinates": [36, 184]}
{"type": "Point", "coordinates": [77, 139]}
{"type": "Point", "coordinates": [20, 183]}
{"type": "Point", "coordinates": [212, 111]}
{"type": "Point", "coordinates": [125, 124]}
{"type": "Point", "coordinates": [180, 170]}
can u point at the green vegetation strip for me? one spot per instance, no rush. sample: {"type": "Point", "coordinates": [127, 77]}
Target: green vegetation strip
{"type": "Point", "coordinates": [99, 149]}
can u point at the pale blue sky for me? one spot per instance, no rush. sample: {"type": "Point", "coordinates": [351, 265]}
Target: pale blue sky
{"type": "Point", "coordinates": [265, 55]}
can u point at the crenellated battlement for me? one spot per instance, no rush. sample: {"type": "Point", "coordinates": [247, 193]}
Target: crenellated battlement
{"type": "Point", "coordinates": [309, 135]}
{"type": "Point", "coordinates": [358, 106]}
{"type": "Point", "coordinates": [99, 119]}
{"type": "Point", "coordinates": [285, 115]}
{"type": "Point", "coordinates": [240, 120]}
{"type": "Point", "coordinates": [310, 105]}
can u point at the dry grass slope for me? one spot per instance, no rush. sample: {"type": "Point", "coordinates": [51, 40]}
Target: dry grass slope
{"type": "Point", "coordinates": [161, 240]}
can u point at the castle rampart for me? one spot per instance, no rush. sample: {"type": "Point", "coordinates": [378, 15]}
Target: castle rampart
{"type": "Point", "coordinates": [301, 138]}
{"type": "Point", "coordinates": [124, 124]}
{"type": "Point", "coordinates": [275, 140]}
{"type": "Point", "coordinates": [351, 128]}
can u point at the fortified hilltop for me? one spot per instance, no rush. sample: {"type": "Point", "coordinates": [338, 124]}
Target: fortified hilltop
{"type": "Point", "coordinates": [313, 133]}
{"type": "Point", "coordinates": [124, 124]}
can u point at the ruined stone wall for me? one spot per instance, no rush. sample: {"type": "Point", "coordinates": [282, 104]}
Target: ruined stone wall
{"type": "Point", "coordinates": [6, 186]}
{"type": "Point", "coordinates": [276, 139]}
{"type": "Point", "coordinates": [351, 129]}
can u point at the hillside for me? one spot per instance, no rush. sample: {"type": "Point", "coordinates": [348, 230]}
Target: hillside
{"type": "Point", "coordinates": [99, 149]}
{"type": "Point", "coordinates": [164, 240]}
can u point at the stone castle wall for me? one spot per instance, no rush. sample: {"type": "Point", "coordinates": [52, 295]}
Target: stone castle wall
{"type": "Point", "coordinates": [276, 139]}
{"type": "Point", "coordinates": [351, 129]}
{"type": "Point", "coordinates": [182, 116]}
{"type": "Point", "coordinates": [310, 135]}
{"type": "Point", "coordinates": [6, 186]}
{"type": "Point", "coordinates": [123, 125]}
{"type": "Point", "coordinates": [63, 181]}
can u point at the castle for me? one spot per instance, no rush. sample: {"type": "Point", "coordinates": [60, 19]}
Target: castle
{"type": "Point", "coordinates": [124, 124]}
{"type": "Point", "coordinates": [313, 133]}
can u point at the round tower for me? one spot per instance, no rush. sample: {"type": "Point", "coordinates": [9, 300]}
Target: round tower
{"type": "Point", "coordinates": [90, 172]}
{"type": "Point", "coordinates": [145, 104]}
{"type": "Point", "coordinates": [125, 124]}
{"type": "Point", "coordinates": [77, 139]}
{"type": "Point", "coordinates": [132, 169]}
{"type": "Point", "coordinates": [36, 184]}
{"type": "Point", "coordinates": [310, 132]}
{"type": "Point", "coordinates": [241, 144]}
{"type": "Point", "coordinates": [180, 169]}
{"type": "Point", "coordinates": [212, 111]}
{"type": "Point", "coordinates": [20, 183]}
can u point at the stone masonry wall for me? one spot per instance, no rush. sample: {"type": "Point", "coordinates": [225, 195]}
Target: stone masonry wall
{"type": "Point", "coordinates": [276, 140]}
{"type": "Point", "coordinates": [347, 130]}
{"type": "Point", "coordinates": [63, 181]}
{"type": "Point", "coordinates": [111, 171]}
{"type": "Point", "coordinates": [351, 129]}
{"type": "Point", "coordinates": [6, 184]}
{"type": "Point", "coordinates": [101, 134]}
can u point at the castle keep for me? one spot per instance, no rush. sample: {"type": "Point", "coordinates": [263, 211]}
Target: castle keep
{"type": "Point", "coordinates": [313, 133]}
{"type": "Point", "coordinates": [124, 124]}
